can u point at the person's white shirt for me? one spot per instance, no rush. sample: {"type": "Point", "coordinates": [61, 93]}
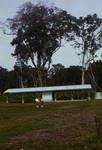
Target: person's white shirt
{"type": "Point", "coordinates": [36, 100]}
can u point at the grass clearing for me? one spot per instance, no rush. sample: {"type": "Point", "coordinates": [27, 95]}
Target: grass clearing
{"type": "Point", "coordinates": [57, 126]}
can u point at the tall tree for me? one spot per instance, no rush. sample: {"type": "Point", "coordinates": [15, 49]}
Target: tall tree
{"type": "Point", "coordinates": [95, 75]}
{"type": "Point", "coordinates": [59, 75]}
{"type": "Point", "coordinates": [88, 39]}
{"type": "Point", "coordinates": [3, 79]}
{"type": "Point", "coordinates": [39, 31]}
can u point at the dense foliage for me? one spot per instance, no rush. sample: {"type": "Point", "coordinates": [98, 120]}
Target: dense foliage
{"type": "Point", "coordinates": [39, 31]}
{"type": "Point", "coordinates": [57, 75]}
{"type": "Point", "coordinates": [87, 39]}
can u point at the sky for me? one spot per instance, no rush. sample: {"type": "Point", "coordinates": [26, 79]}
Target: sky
{"type": "Point", "coordinates": [66, 55]}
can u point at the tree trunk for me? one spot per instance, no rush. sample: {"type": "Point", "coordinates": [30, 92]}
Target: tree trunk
{"type": "Point", "coordinates": [39, 72]}
{"type": "Point", "coordinates": [83, 69]}
{"type": "Point", "coordinates": [40, 82]}
{"type": "Point", "coordinates": [83, 76]}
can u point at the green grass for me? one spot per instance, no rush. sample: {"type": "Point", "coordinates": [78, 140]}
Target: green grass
{"type": "Point", "coordinates": [57, 126]}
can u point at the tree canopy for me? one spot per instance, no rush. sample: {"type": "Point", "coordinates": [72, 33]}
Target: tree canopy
{"type": "Point", "coordinates": [38, 31]}
{"type": "Point", "coordinates": [87, 39]}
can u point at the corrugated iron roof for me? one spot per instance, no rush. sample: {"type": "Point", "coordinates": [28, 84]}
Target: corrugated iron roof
{"type": "Point", "coordinates": [50, 88]}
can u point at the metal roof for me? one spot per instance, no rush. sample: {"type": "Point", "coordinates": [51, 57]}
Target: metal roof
{"type": "Point", "coordinates": [50, 88]}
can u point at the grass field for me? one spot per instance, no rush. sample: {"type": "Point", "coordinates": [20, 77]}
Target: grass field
{"type": "Point", "coordinates": [57, 126]}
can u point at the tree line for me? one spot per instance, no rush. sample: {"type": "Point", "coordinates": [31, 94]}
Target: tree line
{"type": "Point", "coordinates": [57, 75]}
{"type": "Point", "coordinates": [39, 31]}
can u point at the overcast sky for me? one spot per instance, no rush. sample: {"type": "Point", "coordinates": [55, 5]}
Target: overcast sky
{"type": "Point", "coordinates": [66, 55]}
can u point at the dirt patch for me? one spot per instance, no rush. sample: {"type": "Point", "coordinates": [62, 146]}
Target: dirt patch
{"type": "Point", "coordinates": [68, 126]}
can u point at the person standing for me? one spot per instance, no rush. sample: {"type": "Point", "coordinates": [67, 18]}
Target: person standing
{"type": "Point", "coordinates": [37, 102]}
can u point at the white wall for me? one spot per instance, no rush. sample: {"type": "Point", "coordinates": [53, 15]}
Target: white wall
{"type": "Point", "coordinates": [98, 95]}
{"type": "Point", "coordinates": [47, 96]}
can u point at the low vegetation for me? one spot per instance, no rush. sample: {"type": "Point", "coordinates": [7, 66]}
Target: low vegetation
{"type": "Point", "coordinates": [57, 126]}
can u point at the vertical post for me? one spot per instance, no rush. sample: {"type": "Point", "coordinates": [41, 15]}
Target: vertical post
{"type": "Point", "coordinates": [22, 99]}
{"type": "Point", "coordinates": [7, 99]}
{"type": "Point", "coordinates": [89, 96]}
{"type": "Point", "coordinates": [72, 96]}
{"type": "Point", "coordinates": [55, 97]}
